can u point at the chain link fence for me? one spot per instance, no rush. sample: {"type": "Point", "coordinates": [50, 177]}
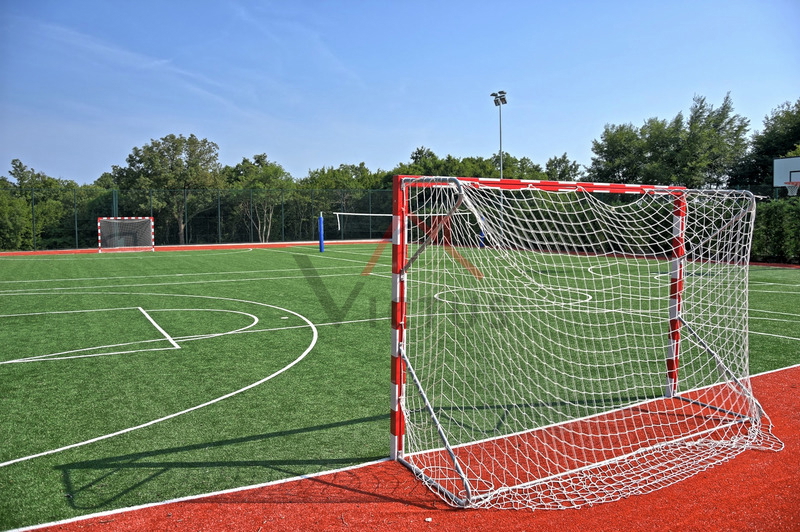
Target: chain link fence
{"type": "Point", "coordinates": [42, 219]}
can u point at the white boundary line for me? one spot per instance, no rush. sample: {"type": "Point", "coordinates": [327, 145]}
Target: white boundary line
{"type": "Point", "coordinates": [195, 497]}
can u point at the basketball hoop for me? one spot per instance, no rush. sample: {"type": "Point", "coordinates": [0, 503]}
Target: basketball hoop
{"type": "Point", "coordinates": [792, 187]}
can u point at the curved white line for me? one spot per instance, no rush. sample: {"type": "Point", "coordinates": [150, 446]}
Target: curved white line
{"type": "Point", "coordinates": [315, 336]}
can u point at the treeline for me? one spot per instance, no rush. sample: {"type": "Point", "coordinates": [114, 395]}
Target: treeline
{"type": "Point", "coordinates": [709, 147]}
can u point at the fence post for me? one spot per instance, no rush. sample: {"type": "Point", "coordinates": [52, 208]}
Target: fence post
{"type": "Point", "coordinates": [33, 216]}
{"type": "Point", "coordinates": [283, 219]}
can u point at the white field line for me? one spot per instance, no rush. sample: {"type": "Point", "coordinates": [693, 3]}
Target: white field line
{"type": "Point", "coordinates": [315, 336]}
{"type": "Point", "coordinates": [790, 318]}
{"type": "Point", "coordinates": [167, 275]}
{"type": "Point", "coordinates": [160, 329]}
{"type": "Point", "coordinates": [790, 314]}
{"type": "Point", "coordinates": [329, 257]}
{"type": "Point", "coordinates": [775, 335]}
{"type": "Point", "coordinates": [57, 356]}
{"type": "Point", "coordinates": [65, 312]}
{"type": "Point", "coordinates": [31, 291]}
{"type": "Point", "coordinates": [783, 292]}
{"type": "Point", "coordinates": [118, 255]}
{"type": "Point", "coordinates": [179, 339]}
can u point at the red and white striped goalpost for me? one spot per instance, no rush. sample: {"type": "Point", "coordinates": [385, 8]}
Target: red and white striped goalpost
{"type": "Point", "coordinates": [400, 263]}
{"type": "Point", "coordinates": [398, 372]}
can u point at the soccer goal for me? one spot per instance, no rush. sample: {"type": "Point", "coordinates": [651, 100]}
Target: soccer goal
{"type": "Point", "coordinates": [563, 344]}
{"type": "Point", "coordinates": [125, 234]}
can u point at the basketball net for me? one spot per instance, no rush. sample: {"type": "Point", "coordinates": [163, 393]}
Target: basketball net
{"type": "Point", "coordinates": [792, 187]}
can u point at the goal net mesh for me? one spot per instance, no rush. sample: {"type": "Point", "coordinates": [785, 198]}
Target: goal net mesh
{"type": "Point", "coordinates": [538, 335]}
{"type": "Point", "coordinates": [125, 233]}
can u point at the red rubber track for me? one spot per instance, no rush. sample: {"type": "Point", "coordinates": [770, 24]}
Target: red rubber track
{"type": "Point", "coordinates": [192, 247]}
{"type": "Point", "coordinates": [757, 490]}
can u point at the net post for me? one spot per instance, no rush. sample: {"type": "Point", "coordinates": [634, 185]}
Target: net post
{"type": "Point", "coordinates": [399, 258]}
{"type": "Point", "coordinates": [321, 225]}
{"type": "Point", "coordinates": [676, 285]}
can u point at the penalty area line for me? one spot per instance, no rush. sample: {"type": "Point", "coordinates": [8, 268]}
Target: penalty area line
{"type": "Point", "coordinates": [157, 326]}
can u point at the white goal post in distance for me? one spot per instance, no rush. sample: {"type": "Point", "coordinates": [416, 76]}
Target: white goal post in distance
{"type": "Point", "coordinates": [560, 344]}
{"type": "Point", "coordinates": [129, 233]}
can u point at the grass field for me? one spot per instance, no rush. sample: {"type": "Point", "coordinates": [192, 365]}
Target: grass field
{"type": "Point", "coordinates": [160, 375]}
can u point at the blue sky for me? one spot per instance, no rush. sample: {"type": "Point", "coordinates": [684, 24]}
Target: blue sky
{"type": "Point", "coordinates": [323, 83]}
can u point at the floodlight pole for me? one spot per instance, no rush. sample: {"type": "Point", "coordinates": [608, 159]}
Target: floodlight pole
{"type": "Point", "coordinates": [499, 101]}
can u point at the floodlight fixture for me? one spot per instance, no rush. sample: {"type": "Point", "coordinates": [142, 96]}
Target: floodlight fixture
{"type": "Point", "coordinates": [499, 100]}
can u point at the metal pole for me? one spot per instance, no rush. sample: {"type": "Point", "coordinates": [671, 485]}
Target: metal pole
{"type": "Point", "coordinates": [499, 101]}
{"type": "Point", "coordinates": [33, 216]}
{"type": "Point", "coordinates": [75, 208]}
{"type": "Point", "coordinates": [500, 109]}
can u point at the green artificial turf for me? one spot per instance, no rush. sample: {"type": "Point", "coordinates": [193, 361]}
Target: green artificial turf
{"type": "Point", "coordinates": [89, 362]}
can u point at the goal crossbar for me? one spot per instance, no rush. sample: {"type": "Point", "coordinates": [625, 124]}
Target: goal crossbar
{"type": "Point", "coordinates": [542, 330]}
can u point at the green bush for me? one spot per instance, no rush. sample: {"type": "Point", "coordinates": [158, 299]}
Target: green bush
{"type": "Point", "coordinates": [777, 232]}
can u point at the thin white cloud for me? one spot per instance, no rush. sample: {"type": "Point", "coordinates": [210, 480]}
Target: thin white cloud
{"type": "Point", "coordinates": [116, 57]}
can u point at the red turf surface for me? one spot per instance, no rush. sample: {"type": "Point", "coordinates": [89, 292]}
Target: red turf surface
{"type": "Point", "coordinates": [757, 490]}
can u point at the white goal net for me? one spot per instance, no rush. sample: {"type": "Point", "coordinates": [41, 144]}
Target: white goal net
{"type": "Point", "coordinates": [561, 344]}
{"type": "Point", "coordinates": [125, 234]}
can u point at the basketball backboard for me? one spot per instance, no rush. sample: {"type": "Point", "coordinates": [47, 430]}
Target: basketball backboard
{"type": "Point", "coordinates": [785, 170]}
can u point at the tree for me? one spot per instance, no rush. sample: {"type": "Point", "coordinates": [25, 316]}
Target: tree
{"type": "Point", "coordinates": [15, 221]}
{"type": "Point", "coordinates": [779, 138]}
{"type": "Point", "coordinates": [618, 155]}
{"type": "Point", "coordinates": [49, 206]}
{"type": "Point", "coordinates": [701, 151]}
{"type": "Point", "coordinates": [423, 162]}
{"type": "Point", "coordinates": [563, 169]}
{"type": "Point", "coordinates": [715, 142]}
{"type": "Point", "coordinates": [175, 163]}
{"type": "Point", "coordinates": [265, 182]}
{"type": "Point", "coordinates": [477, 167]}
{"type": "Point", "coordinates": [30, 178]}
